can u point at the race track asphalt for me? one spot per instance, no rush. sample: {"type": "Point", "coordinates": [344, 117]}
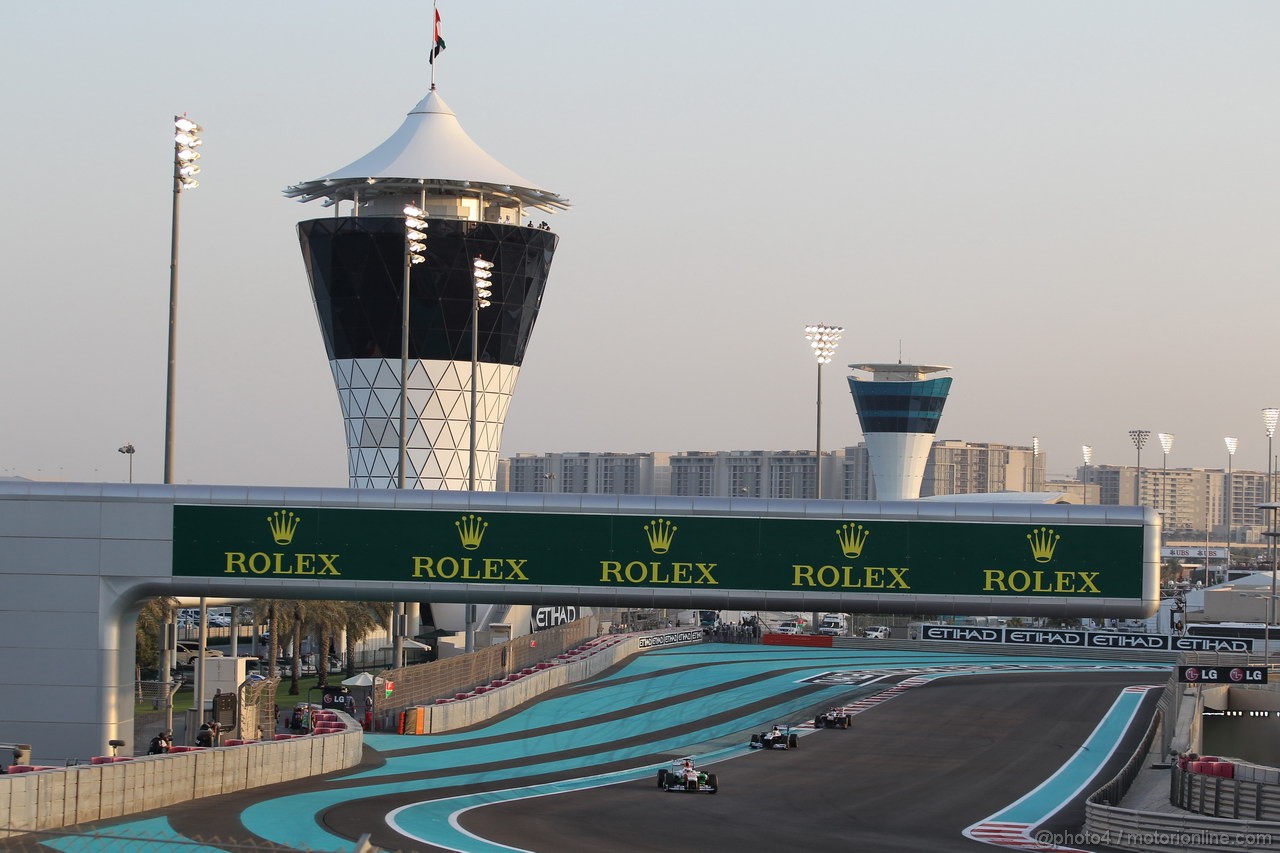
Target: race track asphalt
{"type": "Point", "coordinates": [909, 776]}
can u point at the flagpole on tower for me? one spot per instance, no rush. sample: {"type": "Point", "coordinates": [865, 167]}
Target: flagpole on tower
{"type": "Point", "coordinates": [437, 43]}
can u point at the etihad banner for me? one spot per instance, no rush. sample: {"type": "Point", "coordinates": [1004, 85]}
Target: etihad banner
{"type": "Point", "coordinates": [675, 638]}
{"type": "Point", "coordinates": [700, 554]}
{"type": "Point", "coordinates": [542, 618]}
{"type": "Point", "coordinates": [1083, 639]}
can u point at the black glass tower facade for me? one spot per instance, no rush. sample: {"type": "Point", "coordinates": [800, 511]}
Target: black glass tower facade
{"type": "Point", "coordinates": [356, 266]}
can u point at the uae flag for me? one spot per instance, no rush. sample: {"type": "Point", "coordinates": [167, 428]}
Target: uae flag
{"type": "Point", "coordinates": [438, 43]}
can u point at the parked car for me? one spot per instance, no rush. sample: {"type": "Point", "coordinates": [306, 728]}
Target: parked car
{"type": "Point", "coordinates": [788, 628]}
{"type": "Point", "coordinates": [184, 655]}
{"type": "Point", "coordinates": [876, 632]}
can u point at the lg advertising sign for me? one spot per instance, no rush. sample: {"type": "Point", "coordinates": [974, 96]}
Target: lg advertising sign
{"type": "Point", "coordinates": [1222, 674]}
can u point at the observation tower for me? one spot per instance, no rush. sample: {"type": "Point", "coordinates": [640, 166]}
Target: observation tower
{"type": "Point", "coordinates": [899, 410]}
{"type": "Point", "coordinates": [359, 264]}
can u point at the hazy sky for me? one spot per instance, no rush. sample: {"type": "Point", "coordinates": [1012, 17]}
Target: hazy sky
{"type": "Point", "coordinates": [1074, 204]}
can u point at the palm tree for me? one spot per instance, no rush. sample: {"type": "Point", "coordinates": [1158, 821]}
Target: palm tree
{"type": "Point", "coordinates": [362, 619]}
{"type": "Point", "coordinates": [146, 637]}
{"type": "Point", "coordinates": [324, 618]}
{"type": "Point", "coordinates": [279, 621]}
{"type": "Point", "coordinates": [297, 615]}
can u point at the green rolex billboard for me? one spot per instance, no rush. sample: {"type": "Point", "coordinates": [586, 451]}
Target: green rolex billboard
{"type": "Point", "coordinates": [713, 557]}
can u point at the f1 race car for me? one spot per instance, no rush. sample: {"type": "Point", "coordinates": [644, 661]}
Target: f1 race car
{"type": "Point", "coordinates": [833, 719]}
{"type": "Point", "coordinates": [683, 776]}
{"type": "Point", "coordinates": [779, 737]}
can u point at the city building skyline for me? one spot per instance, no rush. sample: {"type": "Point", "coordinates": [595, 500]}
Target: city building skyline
{"type": "Point", "coordinates": [1196, 498]}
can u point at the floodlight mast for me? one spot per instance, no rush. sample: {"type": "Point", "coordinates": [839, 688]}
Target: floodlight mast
{"type": "Point", "coordinates": [823, 340]}
{"type": "Point", "coordinates": [415, 248]}
{"type": "Point", "coordinates": [186, 140]}
{"type": "Point", "coordinates": [1139, 437]}
{"type": "Point", "coordinates": [1087, 451]}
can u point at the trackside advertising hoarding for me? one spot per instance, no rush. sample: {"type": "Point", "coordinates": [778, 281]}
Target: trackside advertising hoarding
{"type": "Point", "coordinates": [567, 557]}
{"type": "Point", "coordinates": [1083, 639]}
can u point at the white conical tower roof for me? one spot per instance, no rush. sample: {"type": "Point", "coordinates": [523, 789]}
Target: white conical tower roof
{"type": "Point", "coordinates": [429, 149]}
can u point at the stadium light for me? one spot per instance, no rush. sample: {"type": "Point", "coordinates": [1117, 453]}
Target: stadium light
{"type": "Point", "coordinates": [1139, 437]}
{"type": "Point", "coordinates": [482, 273]}
{"type": "Point", "coordinates": [186, 140]}
{"type": "Point", "coordinates": [1166, 444]}
{"type": "Point", "coordinates": [415, 248]}
{"type": "Point", "coordinates": [823, 340]}
{"type": "Point", "coordinates": [1087, 451]}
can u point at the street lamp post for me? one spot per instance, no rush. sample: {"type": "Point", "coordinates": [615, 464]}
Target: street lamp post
{"type": "Point", "coordinates": [823, 339]}
{"type": "Point", "coordinates": [415, 248]}
{"type": "Point", "coordinates": [1166, 444]}
{"type": "Point", "coordinates": [1269, 610]}
{"type": "Point", "coordinates": [1139, 437]}
{"type": "Point", "coordinates": [482, 271]}
{"type": "Point", "coordinates": [128, 450]}
{"type": "Point", "coordinates": [1231, 452]}
{"type": "Point", "coordinates": [1087, 450]}
{"type": "Point", "coordinates": [186, 140]}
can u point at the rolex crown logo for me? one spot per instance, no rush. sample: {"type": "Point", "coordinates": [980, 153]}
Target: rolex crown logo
{"type": "Point", "coordinates": [852, 537]}
{"type": "Point", "coordinates": [283, 524]}
{"type": "Point", "coordinates": [660, 533]}
{"type": "Point", "coordinates": [471, 530]}
{"type": "Point", "coordinates": [1043, 541]}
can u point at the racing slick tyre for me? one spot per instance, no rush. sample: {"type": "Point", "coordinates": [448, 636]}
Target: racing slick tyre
{"type": "Point", "coordinates": [848, 721]}
{"type": "Point", "coordinates": [662, 778]}
{"type": "Point", "coordinates": [755, 739]}
{"type": "Point", "coordinates": [793, 742]}
{"type": "Point", "coordinates": [818, 723]}
{"type": "Point", "coordinates": [713, 782]}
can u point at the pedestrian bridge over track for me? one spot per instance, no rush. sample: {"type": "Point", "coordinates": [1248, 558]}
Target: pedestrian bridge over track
{"type": "Point", "coordinates": [78, 560]}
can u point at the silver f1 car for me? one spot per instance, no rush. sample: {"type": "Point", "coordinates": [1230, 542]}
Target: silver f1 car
{"type": "Point", "coordinates": [779, 737]}
{"type": "Point", "coordinates": [683, 776]}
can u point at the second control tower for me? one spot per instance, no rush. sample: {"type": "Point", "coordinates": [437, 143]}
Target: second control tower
{"type": "Point", "coordinates": [899, 410]}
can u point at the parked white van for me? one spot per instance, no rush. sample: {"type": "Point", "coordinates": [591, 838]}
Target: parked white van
{"type": "Point", "coordinates": [834, 625]}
